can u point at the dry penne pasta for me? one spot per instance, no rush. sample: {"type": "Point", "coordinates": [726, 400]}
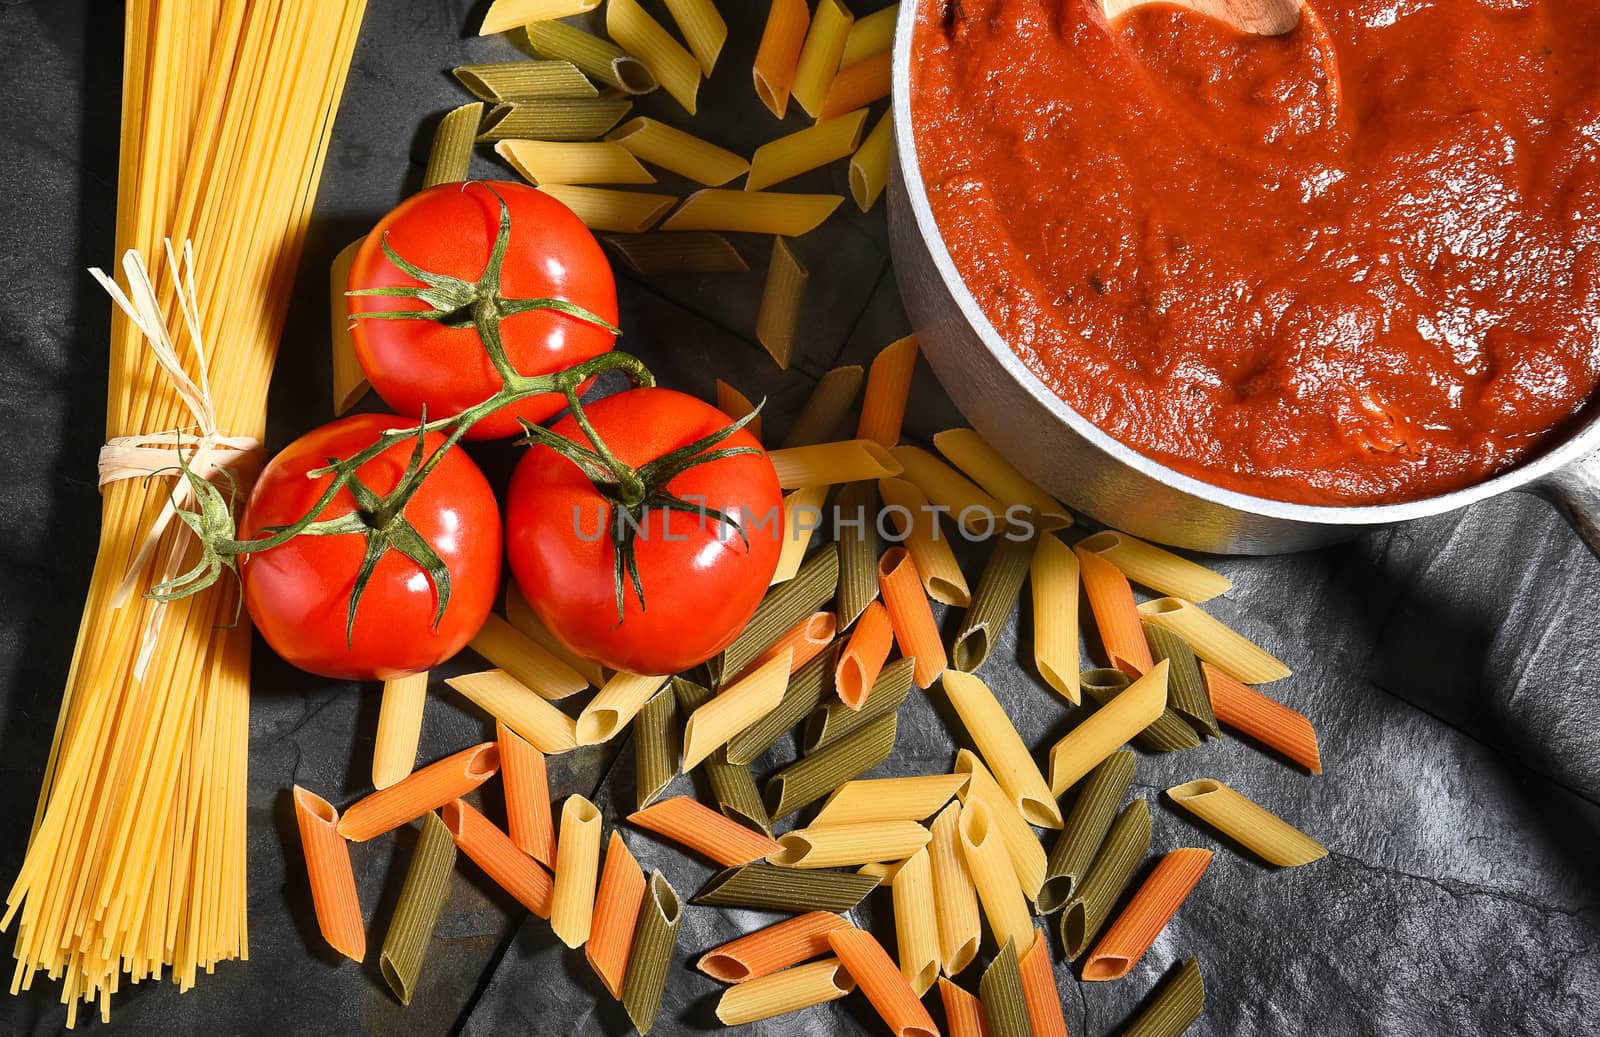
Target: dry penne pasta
{"type": "Point", "coordinates": [784, 606]}
{"type": "Point", "coordinates": [917, 525]}
{"type": "Point", "coordinates": [525, 660]}
{"type": "Point", "coordinates": [1108, 729]}
{"type": "Point", "coordinates": [955, 902]}
{"type": "Point", "coordinates": [987, 467]}
{"type": "Point", "coordinates": [1005, 1006]}
{"type": "Point", "coordinates": [1175, 1006]}
{"type": "Point", "coordinates": [1247, 823]}
{"type": "Point", "coordinates": [616, 912]}
{"type": "Point", "coordinates": [600, 208]}
{"type": "Point", "coordinates": [1107, 877]}
{"type": "Point", "coordinates": [333, 884]}
{"type": "Point", "coordinates": [1169, 732]}
{"type": "Point", "coordinates": [557, 119]}
{"type": "Point", "coordinates": [767, 887]}
{"type": "Point", "coordinates": [349, 381]}
{"type": "Point", "coordinates": [527, 789]}
{"type": "Point", "coordinates": [799, 698]}
{"type": "Point", "coordinates": [598, 58]}
{"type": "Point", "coordinates": [509, 14]}
{"type": "Point", "coordinates": [543, 162]}
{"type": "Point", "coordinates": [883, 409]}
{"type": "Point", "coordinates": [678, 152]}
{"type": "Point", "coordinates": [783, 992]}
{"type": "Point", "coordinates": [824, 464]}
{"type": "Point", "coordinates": [615, 706]}
{"type": "Point", "coordinates": [494, 852]}
{"type": "Point", "coordinates": [655, 747]}
{"type": "Point", "coordinates": [863, 658]}
{"type": "Point", "coordinates": [816, 774]}
{"type": "Point", "coordinates": [802, 516]}
{"type": "Point", "coordinates": [819, 55]}
{"type": "Point", "coordinates": [911, 616]}
{"type": "Point", "coordinates": [1027, 856]}
{"type": "Point", "coordinates": [1116, 615]}
{"type": "Point", "coordinates": [450, 157]}
{"type": "Point", "coordinates": [1085, 829]}
{"type": "Point", "coordinates": [949, 491]}
{"type": "Point", "coordinates": [734, 789]}
{"type": "Point", "coordinates": [577, 867]}
{"type": "Point", "coordinates": [526, 713]}
{"type": "Point", "coordinates": [992, 875]}
{"type": "Point", "coordinates": [1039, 990]}
{"type": "Point", "coordinates": [524, 80]}
{"type": "Point", "coordinates": [779, 52]}
{"type": "Point", "coordinates": [417, 911]}
{"type": "Point", "coordinates": [877, 977]}
{"type": "Point", "coordinates": [735, 708]}
{"type": "Point", "coordinates": [1002, 748]}
{"type": "Point", "coordinates": [686, 252]}
{"type": "Point", "coordinates": [703, 29]}
{"type": "Point", "coordinates": [1186, 687]}
{"type": "Point", "coordinates": [1053, 579]}
{"type": "Point", "coordinates": [994, 599]}
{"type": "Point", "coordinates": [753, 212]}
{"type": "Point", "coordinates": [855, 513]}
{"type": "Point", "coordinates": [804, 642]}
{"type": "Point", "coordinates": [1157, 568]}
{"type": "Point", "coordinates": [527, 622]}
{"type": "Point", "coordinates": [394, 751]}
{"type": "Point", "coordinates": [691, 825]}
{"type": "Point", "coordinates": [916, 929]}
{"type": "Point", "coordinates": [1151, 908]}
{"type": "Point", "coordinates": [871, 34]}
{"type": "Point", "coordinates": [805, 150]}
{"type": "Point", "coordinates": [1216, 642]}
{"type": "Point", "coordinates": [837, 846]}
{"type": "Point", "coordinates": [963, 1013]}
{"type": "Point", "coordinates": [419, 792]}
{"type": "Point", "coordinates": [778, 319]}
{"type": "Point", "coordinates": [1255, 716]}
{"type": "Point", "coordinates": [654, 939]}
{"type": "Point", "coordinates": [889, 799]}
{"type": "Point", "coordinates": [673, 66]}
{"type": "Point", "coordinates": [858, 85]}
{"type": "Point", "coordinates": [884, 870]}
{"type": "Point", "coordinates": [772, 949]}
{"type": "Point", "coordinates": [836, 720]}
{"type": "Point", "coordinates": [826, 407]}
{"type": "Point", "coordinates": [869, 166]}
{"type": "Point", "coordinates": [736, 405]}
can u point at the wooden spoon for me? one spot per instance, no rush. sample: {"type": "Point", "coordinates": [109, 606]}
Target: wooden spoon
{"type": "Point", "coordinates": [1256, 17]}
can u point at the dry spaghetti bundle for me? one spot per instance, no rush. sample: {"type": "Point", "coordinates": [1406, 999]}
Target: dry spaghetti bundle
{"type": "Point", "coordinates": [136, 861]}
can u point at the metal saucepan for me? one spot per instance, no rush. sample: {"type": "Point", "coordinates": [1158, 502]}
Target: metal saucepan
{"type": "Point", "coordinates": [1100, 476]}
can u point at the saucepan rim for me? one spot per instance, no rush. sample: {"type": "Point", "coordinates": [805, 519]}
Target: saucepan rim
{"type": "Point", "coordinates": [1580, 444]}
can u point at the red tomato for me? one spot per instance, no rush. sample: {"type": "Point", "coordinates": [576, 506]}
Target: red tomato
{"type": "Point", "coordinates": [298, 594]}
{"type": "Point", "coordinates": [450, 229]}
{"type": "Point", "coordinates": [701, 582]}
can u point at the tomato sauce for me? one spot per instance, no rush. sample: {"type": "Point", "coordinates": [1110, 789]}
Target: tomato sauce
{"type": "Point", "coordinates": [1356, 263]}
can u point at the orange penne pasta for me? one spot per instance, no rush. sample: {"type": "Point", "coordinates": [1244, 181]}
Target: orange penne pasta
{"type": "Point", "coordinates": [776, 947]}
{"type": "Point", "coordinates": [527, 787]}
{"type": "Point", "coordinates": [421, 791]}
{"type": "Point", "coordinates": [863, 658]}
{"type": "Point", "coordinates": [779, 52]}
{"type": "Point", "coordinates": [689, 823]}
{"type": "Point", "coordinates": [883, 408]}
{"type": "Point", "coordinates": [1115, 614]}
{"type": "Point", "coordinates": [858, 85]}
{"type": "Point", "coordinates": [494, 852]}
{"type": "Point", "coordinates": [1039, 990]}
{"type": "Point", "coordinates": [1265, 720]}
{"type": "Point", "coordinates": [1131, 935]}
{"type": "Point", "coordinates": [807, 638]}
{"type": "Point", "coordinates": [616, 910]}
{"type": "Point", "coordinates": [879, 978]}
{"type": "Point", "coordinates": [333, 884]}
{"type": "Point", "coordinates": [911, 616]}
{"type": "Point", "coordinates": [962, 1011]}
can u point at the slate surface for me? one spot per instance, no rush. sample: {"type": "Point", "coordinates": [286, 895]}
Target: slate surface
{"type": "Point", "coordinates": [1450, 666]}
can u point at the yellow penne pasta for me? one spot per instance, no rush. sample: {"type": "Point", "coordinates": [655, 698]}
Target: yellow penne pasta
{"type": "Point", "coordinates": [955, 902]}
{"type": "Point", "coordinates": [1215, 641]}
{"type": "Point", "coordinates": [394, 751]}
{"type": "Point", "coordinates": [642, 36]}
{"type": "Point", "coordinates": [915, 927]}
{"type": "Point", "coordinates": [527, 622]}
{"type": "Point", "coordinates": [908, 514]}
{"type": "Point", "coordinates": [626, 212]}
{"type": "Point", "coordinates": [804, 150]}
{"type": "Point", "coordinates": [349, 381]}
{"type": "Point", "coordinates": [333, 884]}
{"type": "Point", "coordinates": [1108, 729]}
{"type": "Point", "coordinates": [419, 792]}
{"type": "Point", "coordinates": [543, 162]}
{"type": "Point", "coordinates": [858, 85]}
{"type": "Point", "coordinates": [753, 212]}
{"type": "Point", "coordinates": [678, 152]}
{"type": "Point", "coordinates": [819, 55]}
{"type": "Point", "coordinates": [782, 295]}
{"type": "Point", "coordinates": [510, 14]}
{"type": "Point", "coordinates": [1252, 826]}
{"type": "Point", "coordinates": [736, 405]}
{"type": "Point", "coordinates": [1003, 905]}
{"type": "Point", "coordinates": [1028, 859]}
{"type": "Point", "coordinates": [783, 992]}
{"type": "Point", "coordinates": [1053, 580]}
{"type": "Point", "coordinates": [525, 661]}
{"type": "Point", "coordinates": [824, 464]}
{"type": "Point", "coordinates": [883, 409]}
{"type": "Point", "coordinates": [497, 694]}
{"type": "Point", "coordinates": [871, 34]}
{"type": "Point", "coordinates": [690, 824]}
{"type": "Point", "coordinates": [577, 868]}
{"type": "Point", "coordinates": [835, 846]}
{"type": "Point", "coordinates": [1157, 568]}
{"type": "Point", "coordinates": [984, 465]}
{"type": "Point", "coordinates": [883, 871]}
{"type": "Point", "coordinates": [616, 911]}
{"type": "Point", "coordinates": [949, 491]}
{"type": "Point", "coordinates": [869, 167]}
{"type": "Point", "coordinates": [1002, 748]}
{"type": "Point", "coordinates": [703, 29]}
{"type": "Point", "coordinates": [889, 799]}
{"type": "Point", "coordinates": [779, 52]}
{"type": "Point", "coordinates": [614, 707]}
{"type": "Point", "coordinates": [734, 708]}
{"type": "Point", "coordinates": [527, 788]}
{"type": "Point", "coordinates": [802, 516]}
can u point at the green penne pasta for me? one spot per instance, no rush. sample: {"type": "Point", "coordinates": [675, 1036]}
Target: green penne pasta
{"type": "Point", "coordinates": [524, 80]}
{"type": "Point", "coordinates": [1175, 1007]}
{"type": "Point", "coordinates": [825, 409]}
{"type": "Point", "coordinates": [451, 155]}
{"type": "Point", "coordinates": [680, 252]}
{"type": "Point", "coordinates": [655, 746]}
{"type": "Point", "coordinates": [811, 777]}
{"type": "Point", "coordinates": [655, 936]}
{"type": "Point", "coordinates": [806, 687]}
{"type": "Point", "coordinates": [837, 720]}
{"type": "Point", "coordinates": [596, 57]}
{"type": "Point", "coordinates": [417, 911]}
{"type": "Point", "coordinates": [1085, 829]}
{"type": "Point", "coordinates": [1186, 686]}
{"type": "Point", "coordinates": [574, 119]}
{"type": "Point", "coordinates": [690, 696]}
{"type": "Point", "coordinates": [856, 512]}
{"type": "Point", "coordinates": [736, 792]}
{"type": "Point", "coordinates": [1168, 733]}
{"type": "Point", "coordinates": [785, 605]}
{"type": "Point", "coordinates": [1106, 878]}
{"type": "Point", "coordinates": [1005, 1007]}
{"type": "Point", "coordinates": [767, 887]}
{"type": "Point", "coordinates": [992, 602]}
